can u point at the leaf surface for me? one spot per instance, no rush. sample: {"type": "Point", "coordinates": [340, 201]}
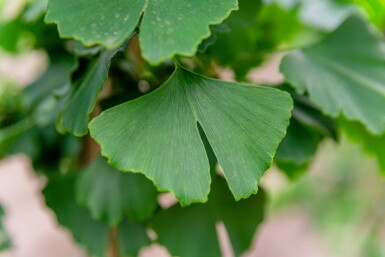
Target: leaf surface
{"type": "Point", "coordinates": [111, 195]}
{"type": "Point", "coordinates": [168, 27]}
{"type": "Point", "coordinates": [158, 135]}
{"type": "Point", "coordinates": [93, 235]}
{"type": "Point", "coordinates": [75, 115]}
{"type": "Point", "coordinates": [60, 197]}
{"type": "Point", "coordinates": [98, 22]}
{"type": "Point", "coordinates": [240, 219]}
{"type": "Point", "coordinates": [308, 126]}
{"type": "Point", "coordinates": [344, 74]}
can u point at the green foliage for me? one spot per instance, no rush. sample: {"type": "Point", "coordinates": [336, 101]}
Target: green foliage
{"type": "Point", "coordinates": [93, 235]}
{"type": "Point", "coordinates": [111, 195]}
{"type": "Point", "coordinates": [108, 23]}
{"type": "Point", "coordinates": [81, 102]}
{"type": "Point", "coordinates": [239, 218]}
{"type": "Point", "coordinates": [229, 117]}
{"type": "Point", "coordinates": [181, 25]}
{"type": "Point", "coordinates": [146, 73]}
{"type": "Point", "coordinates": [343, 78]}
{"type": "Point", "coordinates": [308, 126]}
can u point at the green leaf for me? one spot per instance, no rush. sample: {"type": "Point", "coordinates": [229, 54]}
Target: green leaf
{"type": "Point", "coordinates": [60, 197]}
{"type": "Point", "coordinates": [55, 77]}
{"type": "Point", "coordinates": [344, 74]}
{"type": "Point", "coordinates": [5, 242]}
{"type": "Point", "coordinates": [251, 35]}
{"type": "Point", "coordinates": [131, 238]}
{"type": "Point", "coordinates": [18, 137]}
{"type": "Point", "coordinates": [10, 33]}
{"type": "Point", "coordinates": [299, 145]}
{"type": "Point", "coordinates": [297, 149]}
{"type": "Point", "coordinates": [308, 126]}
{"type": "Point", "coordinates": [240, 219]}
{"type": "Point", "coordinates": [180, 24]}
{"type": "Point", "coordinates": [157, 134]}
{"type": "Point", "coordinates": [93, 235]}
{"type": "Point", "coordinates": [102, 22]}
{"type": "Point", "coordinates": [372, 144]}
{"type": "Point", "coordinates": [35, 10]}
{"type": "Point", "coordinates": [306, 113]}
{"type": "Point", "coordinates": [375, 10]}
{"type": "Point", "coordinates": [75, 115]}
{"type": "Point", "coordinates": [111, 195]}
{"type": "Point", "coordinates": [236, 46]}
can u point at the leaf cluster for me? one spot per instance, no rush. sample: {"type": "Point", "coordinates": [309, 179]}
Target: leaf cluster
{"type": "Point", "coordinates": [141, 79]}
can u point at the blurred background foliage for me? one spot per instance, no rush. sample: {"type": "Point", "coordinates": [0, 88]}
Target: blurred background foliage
{"type": "Point", "coordinates": [341, 189]}
{"type": "Point", "coordinates": [343, 194]}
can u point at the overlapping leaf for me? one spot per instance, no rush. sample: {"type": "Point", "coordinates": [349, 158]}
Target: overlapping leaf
{"type": "Point", "coordinates": [100, 22]}
{"type": "Point", "coordinates": [93, 235]}
{"type": "Point", "coordinates": [308, 126]}
{"type": "Point", "coordinates": [199, 238]}
{"type": "Point", "coordinates": [75, 115]}
{"type": "Point", "coordinates": [158, 135]}
{"type": "Point", "coordinates": [297, 148]}
{"type": "Point", "coordinates": [250, 34]}
{"type": "Point", "coordinates": [111, 195]}
{"type": "Point", "coordinates": [55, 77]}
{"type": "Point", "coordinates": [168, 27]}
{"type": "Point", "coordinates": [344, 74]}
{"type": "Point", "coordinates": [236, 46]}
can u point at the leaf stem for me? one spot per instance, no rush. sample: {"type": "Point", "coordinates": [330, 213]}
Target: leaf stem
{"type": "Point", "coordinates": [113, 247]}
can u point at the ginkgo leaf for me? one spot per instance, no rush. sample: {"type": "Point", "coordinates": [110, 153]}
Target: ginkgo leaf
{"type": "Point", "coordinates": [344, 74]}
{"type": "Point", "coordinates": [308, 126]}
{"type": "Point", "coordinates": [59, 195]}
{"type": "Point", "coordinates": [102, 22]}
{"type": "Point", "coordinates": [157, 134]}
{"type": "Point", "coordinates": [111, 195]}
{"type": "Point", "coordinates": [299, 145]}
{"type": "Point", "coordinates": [240, 219]}
{"type": "Point", "coordinates": [180, 24]}
{"type": "Point", "coordinates": [75, 115]}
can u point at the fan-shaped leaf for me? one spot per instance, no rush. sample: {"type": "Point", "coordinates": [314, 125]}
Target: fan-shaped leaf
{"type": "Point", "coordinates": [74, 117]}
{"type": "Point", "coordinates": [180, 24]}
{"type": "Point", "coordinates": [111, 195]}
{"type": "Point", "coordinates": [344, 74]}
{"type": "Point", "coordinates": [158, 135]}
{"type": "Point", "coordinates": [93, 235]}
{"type": "Point", "coordinates": [101, 22]}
